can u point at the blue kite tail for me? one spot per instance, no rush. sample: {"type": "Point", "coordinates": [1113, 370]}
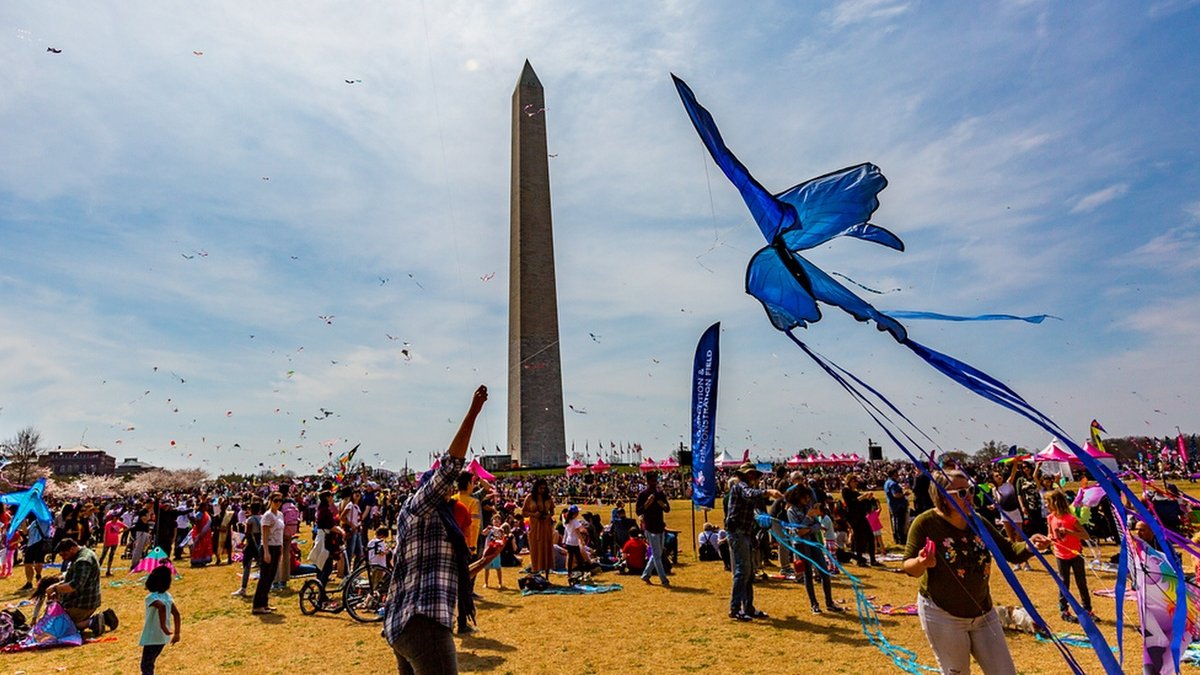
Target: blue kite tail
{"type": "Point", "coordinates": [935, 316]}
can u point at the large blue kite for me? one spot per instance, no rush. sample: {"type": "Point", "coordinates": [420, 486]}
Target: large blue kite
{"type": "Point", "coordinates": [28, 501]}
{"type": "Point", "coordinates": [789, 287]}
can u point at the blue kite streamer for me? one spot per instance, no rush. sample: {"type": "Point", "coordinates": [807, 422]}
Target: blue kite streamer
{"type": "Point", "coordinates": [936, 316]}
{"type": "Point", "coordinates": [982, 532]}
{"type": "Point", "coordinates": [868, 617]}
{"type": "Point", "coordinates": [789, 287]}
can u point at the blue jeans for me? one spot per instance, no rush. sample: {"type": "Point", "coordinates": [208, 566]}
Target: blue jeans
{"type": "Point", "coordinates": [657, 551]}
{"type": "Point", "coordinates": [741, 549]}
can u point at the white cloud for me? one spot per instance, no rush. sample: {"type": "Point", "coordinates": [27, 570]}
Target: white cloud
{"type": "Point", "coordinates": [1095, 200]}
{"type": "Point", "coordinates": [858, 11]}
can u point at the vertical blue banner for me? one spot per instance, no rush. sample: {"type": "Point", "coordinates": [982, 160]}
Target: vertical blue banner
{"type": "Point", "coordinates": [704, 417]}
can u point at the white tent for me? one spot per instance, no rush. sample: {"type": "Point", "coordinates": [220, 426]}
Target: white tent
{"type": "Point", "coordinates": [1055, 460]}
{"type": "Point", "coordinates": [728, 461]}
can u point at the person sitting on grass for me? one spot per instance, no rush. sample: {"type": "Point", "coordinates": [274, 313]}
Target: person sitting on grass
{"type": "Point", "coordinates": [79, 591]}
{"type": "Point", "coordinates": [155, 634]}
{"type": "Point", "coordinates": [634, 553]}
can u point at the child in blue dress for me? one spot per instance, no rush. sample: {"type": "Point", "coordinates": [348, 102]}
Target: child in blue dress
{"type": "Point", "coordinates": [159, 602]}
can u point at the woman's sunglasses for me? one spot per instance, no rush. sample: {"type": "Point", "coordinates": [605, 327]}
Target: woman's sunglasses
{"type": "Point", "coordinates": [961, 493]}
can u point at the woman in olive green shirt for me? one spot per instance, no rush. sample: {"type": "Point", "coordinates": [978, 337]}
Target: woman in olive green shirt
{"type": "Point", "coordinates": [955, 601]}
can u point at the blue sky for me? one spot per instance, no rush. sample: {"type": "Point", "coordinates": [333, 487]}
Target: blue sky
{"type": "Point", "coordinates": [1042, 157]}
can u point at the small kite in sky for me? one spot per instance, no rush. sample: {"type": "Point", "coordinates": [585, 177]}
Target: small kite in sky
{"type": "Point", "coordinates": [554, 156]}
{"type": "Point", "coordinates": [266, 178]}
{"type": "Point", "coordinates": [53, 50]}
{"type": "Point", "coordinates": [186, 256]}
{"type": "Point", "coordinates": [581, 411]}
{"type": "Point", "coordinates": [595, 338]}
{"type": "Point", "coordinates": [196, 53]}
{"type": "Point", "coordinates": [530, 112]}
{"type": "Point", "coordinates": [416, 282]}
{"type": "Point", "coordinates": [327, 318]}
{"type": "Point", "coordinates": [487, 277]}
{"type": "Point", "coordinates": [229, 413]}
{"type": "Point", "coordinates": [407, 355]}
{"type": "Point", "coordinates": [384, 280]}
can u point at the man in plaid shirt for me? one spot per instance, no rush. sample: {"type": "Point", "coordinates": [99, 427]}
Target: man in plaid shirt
{"type": "Point", "coordinates": [428, 576]}
{"type": "Point", "coordinates": [745, 499]}
{"type": "Point", "coordinates": [79, 591]}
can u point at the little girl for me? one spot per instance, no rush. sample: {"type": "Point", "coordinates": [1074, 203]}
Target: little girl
{"type": "Point", "coordinates": [155, 634]}
{"type": "Point", "coordinates": [831, 539]}
{"type": "Point", "coordinates": [113, 528]}
{"type": "Point", "coordinates": [876, 523]}
{"type": "Point", "coordinates": [1068, 535]}
{"type": "Point", "coordinates": [498, 532]}
{"type": "Point", "coordinates": [9, 554]}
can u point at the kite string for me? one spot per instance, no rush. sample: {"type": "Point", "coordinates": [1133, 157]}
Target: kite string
{"type": "Point", "coordinates": [454, 220]}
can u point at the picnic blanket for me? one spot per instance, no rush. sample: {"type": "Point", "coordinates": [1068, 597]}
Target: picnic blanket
{"type": "Point", "coordinates": [581, 589]}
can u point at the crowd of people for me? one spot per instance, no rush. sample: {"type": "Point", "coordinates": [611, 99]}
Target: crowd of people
{"type": "Point", "coordinates": [450, 525]}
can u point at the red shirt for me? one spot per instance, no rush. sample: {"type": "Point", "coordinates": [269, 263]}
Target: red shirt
{"type": "Point", "coordinates": [635, 552]}
{"type": "Point", "coordinates": [1066, 546]}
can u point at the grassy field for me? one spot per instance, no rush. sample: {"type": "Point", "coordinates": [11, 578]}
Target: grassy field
{"type": "Point", "coordinates": [642, 628]}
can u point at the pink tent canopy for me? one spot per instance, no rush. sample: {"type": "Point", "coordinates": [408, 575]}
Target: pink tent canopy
{"type": "Point", "coordinates": [1055, 452]}
{"type": "Point", "coordinates": [669, 464]}
{"type": "Point", "coordinates": [648, 465]}
{"type": "Point", "coordinates": [474, 467]}
{"type": "Point", "coordinates": [795, 461]}
{"type": "Point", "coordinates": [600, 466]}
{"type": "Point", "coordinates": [483, 474]}
{"type": "Point", "coordinates": [576, 467]}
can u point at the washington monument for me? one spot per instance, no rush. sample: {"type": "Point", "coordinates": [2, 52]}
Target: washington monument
{"type": "Point", "coordinates": [535, 402]}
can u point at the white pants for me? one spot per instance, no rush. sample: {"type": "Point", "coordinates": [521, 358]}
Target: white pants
{"type": "Point", "coordinates": [955, 640]}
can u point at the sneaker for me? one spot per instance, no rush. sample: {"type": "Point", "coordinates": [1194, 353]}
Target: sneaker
{"type": "Point", "coordinates": [759, 614]}
{"type": "Point", "coordinates": [738, 616]}
{"type": "Point", "coordinates": [239, 593]}
{"type": "Point", "coordinates": [816, 609]}
{"type": "Point", "coordinates": [110, 619]}
{"type": "Point", "coordinates": [666, 583]}
{"type": "Point", "coordinates": [26, 587]}
{"type": "Point", "coordinates": [834, 608]}
{"type": "Point", "coordinates": [1066, 616]}
{"type": "Point", "coordinates": [647, 580]}
{"type": "Point", "coordinates": [1092, 616]}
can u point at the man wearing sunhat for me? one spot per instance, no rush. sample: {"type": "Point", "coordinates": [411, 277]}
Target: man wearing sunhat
{"type": "Point", "coordinates": [745, 498]}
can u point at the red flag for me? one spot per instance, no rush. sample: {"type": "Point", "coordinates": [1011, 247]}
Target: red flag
{"type": "Point", "coordinates": [1182, 447]}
